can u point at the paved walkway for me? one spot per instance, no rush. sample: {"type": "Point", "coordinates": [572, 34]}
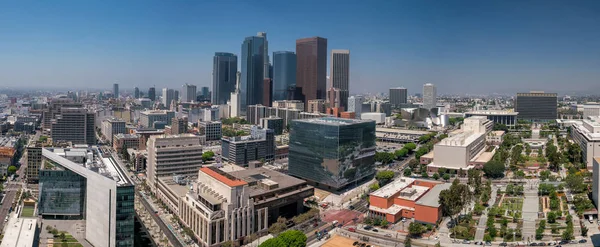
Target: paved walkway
{"type": "Point", "coordinates": [481, 226]}
{"type": "Point", "coordinates": [530, 210]}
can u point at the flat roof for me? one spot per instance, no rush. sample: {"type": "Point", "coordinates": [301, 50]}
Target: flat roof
{"type": "Point", "coordinates": [401, 131]}
{"type": "Point", "coordinates": [268, 177]}
{"type": "Point", "coordinates": [415, 190]}
{"type": "Point", "coordinates": [484, 157]}
{"type": "Point", "coordinates": [223, 177]}
{"type": "Point", "coordinates": [393, 187]}
{"type": "Point", "coordinates": [493, 112]}
{"type": "Point", "coordinates": [394, 209]}
{"type": "Point", "coordinates": [431, 198]}
{"type": "Point", "coordinates": [178, 189]}
{"type": "Point", "coordinates": [19, 232]}
{"type": "Point", "coordinates": [333, 121]}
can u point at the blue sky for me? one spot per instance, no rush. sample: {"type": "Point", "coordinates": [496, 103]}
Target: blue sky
{"type": "Point", "coordinates": [461, 46]}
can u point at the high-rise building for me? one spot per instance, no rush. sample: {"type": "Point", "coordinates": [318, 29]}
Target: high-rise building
{"type": "Point", "coordinates": [224, 77]}
{"type": "Point", "coordinates": [168, 95]}
{"type": "Point", "coordinates": [332, 152]}
{"type": "Point", "coordinates": [205, 93]}
{"type": "Point", "coordinates": [284, 74]}
{"type": "Point", "coordinates": [587, 134]}
{"type": "Point", "coordinates": [253, 67]}
{"type": "Point", "coordinates": [53, 110]}
{"type": "Point", "coordinates": [267, 91]}
{"type": "Point", "coordinates": [152, 93]}
{"type": "Point", "coordinates": [355, 105]}
{"type": "Point", "coordinates": [116, 90]}
{"type": "Point", "coordinates": [537, 106]}
{"type": "Point", "coordinates": [429, 96]}
{"type": "Point", "coordinates": [240, 150]}
{"type": "Point", "coordinates": [188, 93]}
{"type": "Point", "coordinates": [179, 125]}
{"type": "Point", "coordinates": [111, 127]}
{"type": "Point", "coordinates": [274, 123]}
{"type": "Point", "coordinates": [173, 154]}
{"type": "Point", "coordinates": [236, 99]}
{"type": "Point", "coordinates": [334, 98]}
{"type": "Point", "coordinates": [398, 96]}
{"type": "Point", "coordinates": [34, 162]}
{"type": "Point", "coordinates": [316, 106]}
{"type": "Point", "coordinates": [96, 188]}
{"type": "Point", "coordinates": [74, 125]}
{"type": "Point", "coordinates": [311, 67]}
{"type": "Point", "coordinates": [136, 93]}
{"type": "Point", "coordinates": [267, 64]}
{"type": "Point", "coordinates": [340, 74]}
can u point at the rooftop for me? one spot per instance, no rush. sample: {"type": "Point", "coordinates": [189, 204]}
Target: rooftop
{"type": "Point", "coordinates": [432, 197]}
{"type": "Point", "coordinates": [393, 187]}
{"type": "Point", "coordinates": [155, 112]}
{"type": "Point", "coordinates": [223, 177]}
{"type": "Point", "coordinates": [178, 189]}
{"type": "Point", "coordinates": [401, 131]}
{"type": "Point", "coordinates": [19, 232]}
{"type": "Point", "coordinates": [494, 112]}
{"type": "Point", "coordinates": [266, 176]}
{"type": "Point", "coordinates": [128, 136]}
{"type": "Point", "coordinates": [333, 121]}
{"type": "Point", "coordinates": [412, 193]}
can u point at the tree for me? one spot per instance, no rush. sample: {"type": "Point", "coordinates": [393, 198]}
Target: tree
{"type": "Point", "coordinates": [227, 243]}
{"type": "Point", "coordinates": [474, 176]}
{"type": "Point", "coordinates": [293, 238]}
{"type": "Point", "coordinates": [374, 186]}
{"type": "Point", "coordinates": [207, 155]}
{"type": "Point", "coordinates": [410, 146]}
{"type": "Point", "coordinates": [519, 174]}
{"type": "Point", "coordinates": [384, 157]}
{"type": "Point", "coordinates": [407, 242]}
{"type": "Point", "coordinates": [446, 177]}
{"type": "Point", "coordinates": [454, 199]}
{"type": "Point", "coordinates": [62, 235]}
{"type": "Point", "coordinates": [423, 175]}
{"type": "Point", "coordinates": [551, 216]}
{"type": "Point", "coordinates": [499, 126]}
{"type": "Point", "coordinates": [401, 153]}
{"type": "Point", "coordinates": [436, 176]}
{"type": "Point", "coordinates": [11, 170]}
{"type": "Point", "coordinates": [544, 175]}
{"type": "Point", "coordinates": [272, 242]}
{"type": "Point", "coordinates": [438, 244]}
{"type": "Point", "coordinates": [575, 183]}
{"type": "Point", "coordinates": [407, 172]}
{"type": "Point", "coordinates": [494, 169]}
{"type": "Point", "coordinates": [416, 229]}
{"type": "Point", "coordinates": [383, 177]}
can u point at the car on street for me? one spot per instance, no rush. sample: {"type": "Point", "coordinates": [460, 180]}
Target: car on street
{"type": "Point", "coordinates": [503, 244]}
{"type": "Point", "coordinates": [583, 241]}
{"type": "Point", "coordinates": [466, 242]}
{"type": "Point", "coordinates": [375, 230]}
{"type": "Point", "coordinates": [388, 235]}
{"type": "Point", "coordinates": [368, 228]}
{"type": "Point", "coordinates": [488, 243]}
{"type": "Point", "coordinates": [351, 229]}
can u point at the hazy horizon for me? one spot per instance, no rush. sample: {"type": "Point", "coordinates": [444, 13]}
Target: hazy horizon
{"type": "Point", "coordinates": [463, 47]}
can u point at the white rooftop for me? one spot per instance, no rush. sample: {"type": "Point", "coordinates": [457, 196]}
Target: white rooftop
{"type": "Point", "coordinates": [393, 187]}
{"type": "Point", "coordinates": [493, 112]}
{"type": "Point", "coordinates": [19, 232]}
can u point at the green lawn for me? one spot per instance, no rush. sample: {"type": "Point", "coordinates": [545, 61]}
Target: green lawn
{"type": "Point", "coordinates": [27, 211]}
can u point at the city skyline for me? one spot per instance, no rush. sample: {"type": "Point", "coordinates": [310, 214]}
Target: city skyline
{"type": "Point", "coordinates": [467, 45]}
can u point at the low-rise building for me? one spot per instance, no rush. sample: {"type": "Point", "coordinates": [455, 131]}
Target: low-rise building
{"type": "Point", "coordinates": [506, 117]}
{"type": "Point", "coordinates": [149, 118]}
{"type": "Point", "coordinates": [408, 198]}
{"type": "Point", "coordinates": [495, 137]}
{"type": "Point", "coordinates": [7, 158]}
{"type": "Point", "coordinates": [378, 117]}
{"type": "Point", "coordinates": [172, 155]}
{"type": "Point", "coordinates": [240, 150]}
{"type": "Point", "coordinates": [596, 181]}
{"type": "Point", "coordinates": [212, 130]}
{"type": "Point", "coordinates": [587, 134]}
{"type": "Point", "coordinates": [112, 127]}
{"type": "Point", "coordinates": [127, 141]}
{"type": "Point", "coordinates": [21, 232]}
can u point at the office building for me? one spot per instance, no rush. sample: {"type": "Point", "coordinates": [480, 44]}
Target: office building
{"type": "Point", "coordinates": [429, 96]}
{"type": "Point", "coordinates": [179, 125]}
{"type": "Point", "coordinates": [383, 107]}
{"type": "Point", "coordinates": [408, 198]}
{"type": "Point", "coordinates": [74, 125]}
{"type": "Point", "coordinates": [54, 109]}
{"type": "Point", "coordinates": [596, 180]}
{"type": "Point", "coordinates": [267, 64]}
{"type": "Point", "coordinates": [289, 104]}
{"type": "Point", "coordinates": [317, 106]}
{"type": "Point", "coordinates": [340, 74]}
{"type": "Point", "coordinates": [587, 134]}
{"type": "Point", "coordinates": [173, 155]}
{"type": "Point", "coordinates": [591, 110]}
{"type": "Point", "coordinates": [253, 67]}
{"type": "Point", "coordinates": [255, 113]}
{"type": "Point", "coordinates": [150, 117]}
{"type": "Point", "coordinates": [34, 162]}
{"type": "Point", "coordinates": [98, 191]}
{"type": "Point", "coordinates": [236, 99]}
{"type": "Point", "coordinates": [334, 99]}
{"type": "Point", "coordinates": [212, 130]}
{"type": "Point", "coordinates": [284, 74]}
{"type": "Point", "coordinates": [259, 145]}
{"type": "Point", "coordinates": [205, 93]}
{"type": "Point", "coordinates": [274, 123]}
{"type": "Point", "coordinates": [267, 91]}
{"type": "Point", "coordinates": [355, 105]}
{"type": "Point", "coordinates": [311, 67]}
{"type": "Point", "coordinates": [21, 232]}
{"type": "Point", "coordinates": [116, 90]}
{"type": "Point", "coordinates": [378, 117]}
{"type": "Point", "coordinates": [211, 114]}
{"type": "Point", "coordinates": [537, 106]}
{"type": "Point", "coordinates": [223, 76]}
{"type": "Point", "coordinates": [136, 93]}
{"type": "Point", "coordinates": [398, 96]}
{"type": "Point", "coordinates": [506, 117]}
{"type": "Point", "coordinates": [126, 141]}
{"type": "Point", "coordinates": [188, 93]}
{"type": "Point", "coordinates": [111, 127]}
{"type": "Point", "coordinates": [152, 93]}
{"type": "Point", "coordinates": [168, 95]}
{"type": "Point", "coordinates": [462, 148]}
{"type": "Point", "coordinates": [332, 152]}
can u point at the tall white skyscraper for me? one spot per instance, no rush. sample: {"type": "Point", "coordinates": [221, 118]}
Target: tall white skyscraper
{"type": "Point", "coordinates": [188, 93]}
{"type": "Point", "coordinates": [340, 74]}
{"type": "Point", "coordinates": [168, 95]}
{"type": "Point", "coordinates": [355, 105]}
{"type": "Point", "coordinates": [429, 96]}
{"type": "Point", "coordinates": [235, 100]}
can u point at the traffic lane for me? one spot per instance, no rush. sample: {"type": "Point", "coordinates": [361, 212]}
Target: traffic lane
{"type": "Point", "coordinates": [7, 204]}
{"type": "Point", "coordinates": [160, 223]}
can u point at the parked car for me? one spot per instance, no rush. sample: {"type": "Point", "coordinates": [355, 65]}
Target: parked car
{"type": "Point", "coordinates": [583, 241]}
{"type": "Point", "coordinates": [351, 229]}
{"type": "Point", "coordinates": [375, 230]}
{"type": "Point", "coordinates": [466, 242]}
{"type": "Point", "coordinates": [368, 227]}
{"type": "Point", "coordinates": [388, 235]}
{"type": "Point", "coordinates": [503, 244]}
{"type": "Point", "coordinates": [488, 243]}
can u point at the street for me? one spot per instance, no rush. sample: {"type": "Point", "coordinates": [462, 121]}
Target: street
{"type": "Point", "coordinates": [11, 191]}
{"type": "Point", "coordinates": [172, 239]}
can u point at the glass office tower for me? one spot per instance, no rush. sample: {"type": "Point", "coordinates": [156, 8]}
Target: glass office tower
{"type": "Point", "coordinates": [284, 74]}
{"type": "Point", "coordinates": [125, 216]}
{"type": "Point", "coordinates": [224, 77]}
{"type": "Point", "coordinates": [252, 72]}
{"type": "Point", "coordinates": [332, 152]}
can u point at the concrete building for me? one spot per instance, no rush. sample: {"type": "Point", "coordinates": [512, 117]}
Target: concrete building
{"type": "Point", "coordinates": [537, 106]}
{"type": "Point", "coordinates": [74, 125]}
{"type": "Point", "coordinates": [274, 123]}
{"type": "Point", "coordinates": [188, 93]}
{"type": "Point", "coordinates": [145, 134]}
{"type": "Point", "coordinates": [587, 134]}
{"type": "Point", "coordinates": [311, 67]}
{"type": "Point", "coordinates": [408, 198]}
{"type": "Point", "coordinates": [596, 180]}
{"type": "Point", "coordinates": [495, 137]}
{"type": "Point", "coordinates": [99, 191]}
{"type": "Point", "coordinates": [179, 125]}
{"type": "Point", "coordinates": [591, 110]}
{"type": "Point", "coordinates": [34, 162]}
{"type": "Point", "coordinates": [255, 112]}
{"type": "Point", "coordinates": [332, 152]}
{"type": "Point", "coordinates": [152, 93]}
{"type": "Point", "coordinates": [355, 104]}
{"type": "Point", "coordinates": [21, 232]}
{"type": "Point", "coordinates": [150, 117]}
{"type": "Point", "coordinates": [398, 96]}
{"type": "Point", "coordinates": [212, 130]}
{"type": "Point", "coordinates": [235, 109]}
{"type": "Point", "coordinates": [240, 150]}
{"type": "Point", "coordinates": [340, 74]}
{"type": "Point", "coordinates": [168, 95]}
{"type": "Point", "coordinates": [170, 155]}
{"type": "Point", "coordinates": [111, 127]}
{"type": "Point", "coordinates": [378, 117]}
{"type": "Point", "coordinates": [506, 117]}
{"type": "Point", "coordinates": [289, 104]}
{"type": "Point", "coordinates": [121, 141]}
{"type": "Point", "coordinates": [7, 159]}
{"type": "Point", "coordinates": [429, 96]}
{"type": "Point", "coordinates": [317, 106]}
{"type": "Point", "coordinates": [334, 98]}
{"type": "Point", "coordinates": [224, 77]}
{"type": "Point", "coordinates": [462, 147]}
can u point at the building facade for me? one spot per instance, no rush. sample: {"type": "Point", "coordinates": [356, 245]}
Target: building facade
{"type": "Point", "coordinates": [174, 154]}
{"type": "Point", "coordinates": [587, 134]}
{"type": "Point", "coordinates": [398, 96]}
{"type": "Point", "coordinates": [116, 90]}
{"type": "Point", "coordinates": [111, 127]}
{"type": "Point", "coordinates": [152, 93]}
{"type": "Point", "coordinates": [355, 105]}
{"type": "Point", "coordinates": [121, 141]}
{"type": "Point", "coordinates": [537, 106]}
{"type": "Point", "coordinates": [74, 125]}
{"type": "Point", "coordinates": [311, 67]}
{"type": "Point", "coordinates": [429, 96]}
{"type": "Point", "coordinates": [188, 93]}
{"type": "Point", "coordinates": [284, 74]}
{"type": "Point", "coordinates": [150, 117]}
{"type": "Point", "coordinates": [332, 152]}
{"type": "Point", "coordinates": [240, 150]}
{"type": "Point", "coordinates": [253, 66]}
{"type": "Point", "coordinates": [223, 76]}
{"type": "Point", "coordinates": [508, 118]}
{"type": "Point", "coordinates": [340, 74]}
{"type": "Point", "coordinates": [212, 130]}
{"type": "Point", "coordinates": [274, 123]}
{"type": "Point", "coordinates": [179, 125]}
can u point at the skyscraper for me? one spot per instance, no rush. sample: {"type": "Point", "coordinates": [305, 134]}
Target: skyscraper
{"type": "Point", "coordinates": [224, 76]}
{"type": "Point", "coordinates": [236, 98]}
{"type": "Point", "coordinates": [267, 64]}
{"type": "Point", "coordinates": [267, 91]}
{"type": "Point", "coordinates": [334, 98]}
{"type": "Point", "coordinates": [311, 67]}
{"type": "Point", "coordinates": [398, 96]}
{"type": "Point", "coordinates": [253, 67]}
{"type": "Point", "coordinates": [136, 93]}
{"type": "Point", "coordinates": [188, 93]}
{"type": "Point", "coordinates": [152, 93]}
{"type": "Point", "coordinates": [429, 96]}
{"type": "Point", "coordinates": [116, 90]}
{"type": "Point", "coordinates": [355, 105]}
{"type": "Point", "coordinates": [206, 93]}
{"type": "Point", "coordinates": [168, 95]}
{"type": "Point", "coordinates": [284, 74]}
{"type": "Point", "coordinates": [340, 74]}
{"type": "Point", "coordinates": [537, 106]}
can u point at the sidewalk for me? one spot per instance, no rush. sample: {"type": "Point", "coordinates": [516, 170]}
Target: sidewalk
{"type": "Point", "coordinates": [480, 233]}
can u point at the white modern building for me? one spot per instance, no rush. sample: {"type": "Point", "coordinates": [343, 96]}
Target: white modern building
{"type": "Point", "coordinates": [21, 232]}
{"type": "Point", "coordinates": [587, 134]}
{"type": "Point", "coordinates": [378, 117]}
{"type": "Point", "coordinates": [591, 110]}
{"type": "Point", "coordinates": [188, 93]}
{"type": "Point", "coordinates": [235, 109]}
{"type": "Point", "coordinates": [506, 117]}
{"type": "Point", "coordinates": [460, 148]}
{"type": "Point", "coordinates": [429, 96]}
{"type": "Point", "coordinates": [170, 155]}
{"type": "Point", "coordinates": [168, 95]}
{"type": "Point", "coordinates": [355, 105]}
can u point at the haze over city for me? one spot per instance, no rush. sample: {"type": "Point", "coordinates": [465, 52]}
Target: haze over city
{"type": "Point", "coordinates": [461, 46]}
